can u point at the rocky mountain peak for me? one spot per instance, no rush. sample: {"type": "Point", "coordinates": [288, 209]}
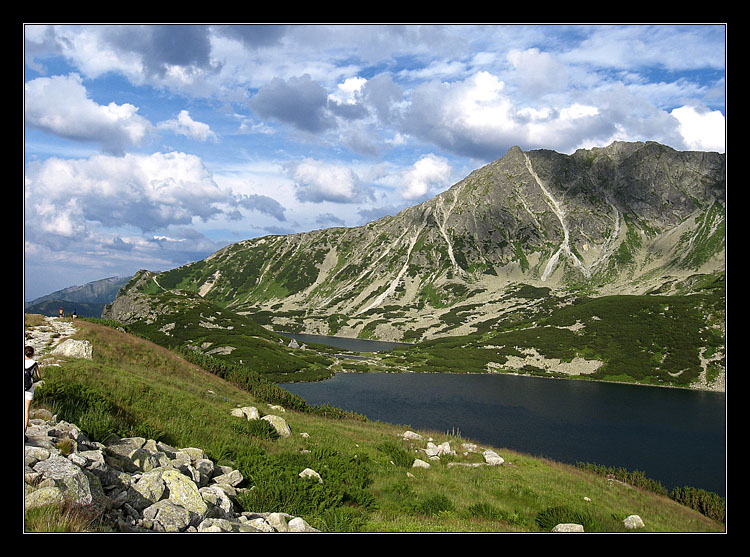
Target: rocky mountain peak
{"type": "Point", "coordinates": [626, 218]}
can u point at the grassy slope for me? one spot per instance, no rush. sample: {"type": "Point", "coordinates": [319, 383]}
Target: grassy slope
{"type": "Point", "coordinates": [156, 393]}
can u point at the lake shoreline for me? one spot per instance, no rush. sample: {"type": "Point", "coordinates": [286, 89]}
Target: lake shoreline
{"type": "Point", "coordinates": [670, 433]}
{"type": "Point", "coordinates": [700, 385]}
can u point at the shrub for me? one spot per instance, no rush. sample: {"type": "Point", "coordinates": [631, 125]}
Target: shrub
{"type": "Point", "coordinates": [343, 519]}
{"type": "Point", "coordinates": [260, 429]}
{"type": "Point", "coordinates": [550, 517]}
{"type": "Point", "coordinates": [433, 505]}
{"type": "Point", "coordinates": [400, 456]}
{"type": "Point", "coordinates": [488, 511]}
{"type": "Point", "coordinates": [705, 502]}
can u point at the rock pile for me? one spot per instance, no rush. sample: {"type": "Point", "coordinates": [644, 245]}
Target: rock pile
{"type": "Point", "coordinates": [140, 485]}
{"type": "Point", "coordinates": [434, 452]}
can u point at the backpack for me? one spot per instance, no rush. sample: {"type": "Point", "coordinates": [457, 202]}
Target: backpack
{"type": "Point", "coordinates": [28, 375]}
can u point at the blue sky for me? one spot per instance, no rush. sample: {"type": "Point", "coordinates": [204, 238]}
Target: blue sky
{"type": "Point", "coordinates": [148, 147]}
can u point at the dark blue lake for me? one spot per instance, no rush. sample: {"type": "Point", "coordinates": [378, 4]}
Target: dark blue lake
{"type": "Point", "coordinates": [675, 436]}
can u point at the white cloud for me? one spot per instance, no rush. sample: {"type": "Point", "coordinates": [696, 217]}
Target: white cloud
{"type": "Point", "coordinates": [537, 72]}
{"type": "Point", "coordinates": [185, 125]}
{"type": "Point", "coordinates": [702, 130]}
{"type": "Point", "coordinates": [59, 105]}
{"type": "Point", "coordinates": [319, 181]}
{"type": "Point", "coordinates": [72, 197]}
{"type": "Point", "coordinates": [477, 118]}
{"type": "Point", "coordinates": [347, 92]}
{"type": "Point", "coordinates": [429, 175]}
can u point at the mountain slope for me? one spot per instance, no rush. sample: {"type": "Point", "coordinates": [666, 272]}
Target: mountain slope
{"type": "Point", "coordinates": [628, 218]}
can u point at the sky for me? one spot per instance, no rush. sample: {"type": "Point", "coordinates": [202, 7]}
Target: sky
{"type": "Point", "coordinates": [152, 146]}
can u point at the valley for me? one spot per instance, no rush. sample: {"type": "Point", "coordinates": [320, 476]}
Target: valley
{"type": "Point", "coordinates": [607, 264]}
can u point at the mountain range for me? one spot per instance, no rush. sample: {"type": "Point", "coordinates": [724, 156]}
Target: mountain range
{"type": "Point", "coordinates": [87, 300]}
{"type": "Point", "coordinates": [631, 232]}
{"type": "Point", "coordinates": [629, 218]}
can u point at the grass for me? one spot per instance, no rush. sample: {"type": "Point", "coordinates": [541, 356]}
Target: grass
{"type": "Point", "coordinates": [133, 386]}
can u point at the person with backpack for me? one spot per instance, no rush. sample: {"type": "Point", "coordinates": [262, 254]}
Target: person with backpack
{"type": "Point", "coordinates": [30, 374]}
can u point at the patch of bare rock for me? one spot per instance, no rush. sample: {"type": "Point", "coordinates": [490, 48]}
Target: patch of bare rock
{"type": "Point", "coordinates": [138, 484]}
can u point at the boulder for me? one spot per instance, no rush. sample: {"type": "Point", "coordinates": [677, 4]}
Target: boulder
{"type": "Point", "coordinates": [492, 458]}
{"type": "Point", "coordinates": [218, 503]}
{"type": "Point", "coordinates": [147, 490]}
{"type": "Point", "coordinates": [247, 412]}
{"type": "Point", "coordinates": [568, 527]}
{"type": "Point", "coordinates": [279, 424]}
{"type": "Point", "coordinates": [44, 496]}
{"type": "Point", "coordinates": [167, 516]}
{"type": "Point", "coordinates": [184, 493]}
{"type": "Point", "coordinates": [633, 522]}
{"type": "Point", "coordinates": [70, 348]}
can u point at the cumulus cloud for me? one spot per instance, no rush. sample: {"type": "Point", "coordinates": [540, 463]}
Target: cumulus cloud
{"type": "Point", "coordinates": [318, 181]}
{"type": "Point", "coordinates": [298, 101]}
{"type": "Point", "coordinates": [68, 198]}
{"type": "Point", "coordinates": [537, 72]}
{"type": "Point", "coordinates": [59, 105]}
{"type": "Point", "coordinates": [471, 117]}
{"type": "Point", "coordinates": [162, 48]}
{"type": "Point", "coordinates": [702, 130]}
{"type": "Point", "coordinates": [185, 125]}
{"type": "Point", "coordinates": [428, 176]}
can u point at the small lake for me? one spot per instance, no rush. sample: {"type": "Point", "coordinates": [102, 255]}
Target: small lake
{"type": "Point", "coordinates": [675, 436]}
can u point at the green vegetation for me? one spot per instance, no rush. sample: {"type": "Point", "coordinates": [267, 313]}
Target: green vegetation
{"type": "Point", "coordinates": [656, 340]}
{"type": "Point", "coordinates": [134, 387]}
{"type": "Point", "coordinates": [705, 502]}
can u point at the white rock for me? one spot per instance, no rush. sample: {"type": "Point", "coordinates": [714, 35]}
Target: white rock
{"type": "Point", "coordinates": [310, 473]}
{"type": "Point", "coordinates": [420, 464]}
{"type": "Point", "coordinates": [74, 349]}
{"type": "Point", "coordinates": [279, 424]}
{"type": "Point", "coordinates": [568, 528]}
{"type": "Point", "coordinates": [299, 525]}
{"type": "Point", "coordinates": [633, 521]}
{"type": "Point", "coordinates": [492, 458]}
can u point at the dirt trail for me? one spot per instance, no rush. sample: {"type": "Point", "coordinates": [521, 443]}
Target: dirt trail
{"type": "Point", "coordinates": [45, 337]}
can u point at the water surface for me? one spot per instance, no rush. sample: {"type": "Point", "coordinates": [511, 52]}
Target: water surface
{"type": "Point", "coordinates": [675, 436]}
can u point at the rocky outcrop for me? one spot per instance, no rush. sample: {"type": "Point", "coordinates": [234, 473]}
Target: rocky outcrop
{"type": "Point", "coordinates": [140, 485]}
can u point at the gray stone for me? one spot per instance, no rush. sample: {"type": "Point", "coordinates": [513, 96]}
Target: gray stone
{"type": "Point", "coordinates": [633, 522]}
{"type": "Point", "coordinates": [167, 516]}
{"type": "Point", "coordinates": [569, 527]}
{"type": "Point", "coordinates": [71, 348]}
{"type": "Point", "coordinates": [279, 424]}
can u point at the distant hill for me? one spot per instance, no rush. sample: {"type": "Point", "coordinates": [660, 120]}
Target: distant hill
{"type": "Point", "coordinates": [87, 300]}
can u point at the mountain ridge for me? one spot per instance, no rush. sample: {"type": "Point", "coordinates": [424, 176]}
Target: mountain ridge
{"type": "Point", "coordinates": [627, 218]}
{"type": "Point", "coordinates": [607, 264]}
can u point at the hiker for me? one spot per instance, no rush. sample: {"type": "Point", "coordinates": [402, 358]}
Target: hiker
{"type": "Point", "coordinates": [61, 313]}
{"type": "Point", "coordinates": [30, 372]}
